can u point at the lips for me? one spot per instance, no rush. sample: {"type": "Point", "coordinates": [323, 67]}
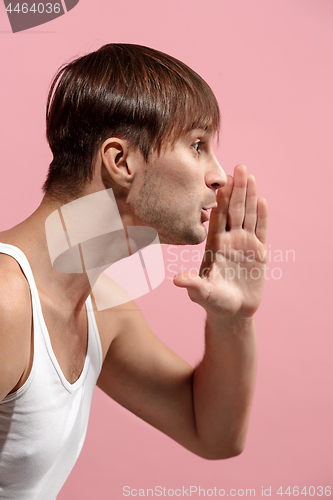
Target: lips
{"type": "Point", "coordinates": [205, 214]}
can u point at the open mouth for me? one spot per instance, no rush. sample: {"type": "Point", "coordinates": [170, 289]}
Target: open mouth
{"type": "Point", "coordinates": [205, 214]}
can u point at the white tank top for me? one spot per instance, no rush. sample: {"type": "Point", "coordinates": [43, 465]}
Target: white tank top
{"type": "Point", "coordinates": [43, 424]}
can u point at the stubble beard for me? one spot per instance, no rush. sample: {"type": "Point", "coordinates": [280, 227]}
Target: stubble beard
{"type": "Point", "coordinates": [172, 229]}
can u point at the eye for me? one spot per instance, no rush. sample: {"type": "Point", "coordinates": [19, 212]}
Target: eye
{"type": "Point", "coordinates": [197, 146]}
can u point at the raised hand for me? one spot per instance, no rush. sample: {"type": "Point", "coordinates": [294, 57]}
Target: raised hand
{"type": "Point", "coordinates": [232, 273]}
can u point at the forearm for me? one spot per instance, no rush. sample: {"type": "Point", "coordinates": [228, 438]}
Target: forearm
{"type": "Point", "coordinates": [223, 386]}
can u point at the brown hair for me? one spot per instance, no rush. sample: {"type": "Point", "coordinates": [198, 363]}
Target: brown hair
{"type": "Point", "coordinates": [128, 91]}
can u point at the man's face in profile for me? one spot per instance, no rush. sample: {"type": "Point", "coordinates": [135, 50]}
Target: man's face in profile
{"type": "Point", "coordinates": [176, 189]}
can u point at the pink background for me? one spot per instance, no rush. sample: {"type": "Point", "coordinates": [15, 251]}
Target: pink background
{"type": "Point", "coordinates": [270, 64]}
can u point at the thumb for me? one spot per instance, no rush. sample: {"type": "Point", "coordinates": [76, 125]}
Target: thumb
{"type": "Point", "coordinates": [194, 284]}
{"type": "Point", "coordinates": [187, 280]}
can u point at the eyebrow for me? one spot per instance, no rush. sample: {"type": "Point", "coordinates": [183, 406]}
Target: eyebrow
{"type": "Point", "coordinates": [200, 131]}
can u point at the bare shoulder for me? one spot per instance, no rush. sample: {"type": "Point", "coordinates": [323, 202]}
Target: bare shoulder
{"type": "Point", "coordinates": [15, 325]}
{"type": "Point", "coordinates": [12, 278]}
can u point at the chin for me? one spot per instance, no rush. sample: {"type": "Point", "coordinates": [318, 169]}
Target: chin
{"type": "Point", "coordinates": [185, 237]}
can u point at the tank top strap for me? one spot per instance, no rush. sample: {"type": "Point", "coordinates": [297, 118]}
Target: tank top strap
{"type": "Point", "coordinates": [21, 259]}
{"type": "Point", "coordinates": [41, 335]}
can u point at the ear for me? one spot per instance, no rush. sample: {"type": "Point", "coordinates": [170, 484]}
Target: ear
{"type": "Point", "coordinates": [115, 154]}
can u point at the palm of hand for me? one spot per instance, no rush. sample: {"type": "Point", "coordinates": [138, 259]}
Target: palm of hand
{"type": "Point", "coordinates": [232, 273]}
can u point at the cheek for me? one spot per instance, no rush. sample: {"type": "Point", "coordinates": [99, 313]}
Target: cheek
{"type": "Point", "coordinates": [177, 184]}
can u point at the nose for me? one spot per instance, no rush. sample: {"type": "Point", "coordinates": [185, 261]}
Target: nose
{"type": "Point", "coordinates": [215, 177]}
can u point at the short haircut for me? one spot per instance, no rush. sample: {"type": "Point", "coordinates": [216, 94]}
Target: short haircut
{"type": "Point", "coordinates": [122, 90]}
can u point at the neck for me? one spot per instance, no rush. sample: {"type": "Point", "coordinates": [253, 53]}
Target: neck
{"type": "Point", "coordinates": [69, 246]}
{"type": "Point", "coordinates": [29, 236]}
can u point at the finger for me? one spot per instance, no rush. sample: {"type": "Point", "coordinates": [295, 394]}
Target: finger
{"type": "Point", "coordinates": [250, 218]}
{"type": "Point", "coordinates": [194, 284]}
{"type": "Point", "coordinates": [219, 215]}
{"type": "Point", "coordinates": [237, 199]}
{"type": "Point", "coordinates": [262, 220]}
{"type": "Point", "coordinates": [187, 280]}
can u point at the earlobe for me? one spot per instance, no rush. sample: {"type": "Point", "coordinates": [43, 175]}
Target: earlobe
{"type": "Point", "coordinates": [114, 154]}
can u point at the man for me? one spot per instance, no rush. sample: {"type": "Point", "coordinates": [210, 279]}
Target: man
{"type": "Point", "coordinates": [134, 126]}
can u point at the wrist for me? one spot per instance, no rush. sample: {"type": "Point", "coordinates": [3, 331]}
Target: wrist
{"type": "Point", "coordinates": [234, 323]}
